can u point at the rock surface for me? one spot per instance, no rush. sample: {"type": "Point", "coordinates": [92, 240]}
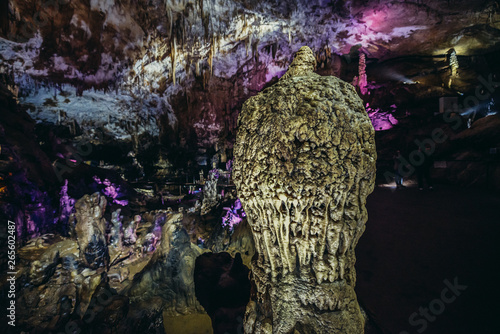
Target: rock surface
{"type": "Point", "coordinates": [191, 63]}
{"type": "Point", "coordinates": [169, 275]}
{"type": "Point", "coordinates": [210, 198]}
{"type": "Point", "coordinates": [304, 165]}
{"type": "Point", "coordinates": [91, 230]}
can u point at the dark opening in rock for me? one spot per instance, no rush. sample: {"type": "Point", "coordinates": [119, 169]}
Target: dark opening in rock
{"type": "Point", "coordinates": [222, 287]}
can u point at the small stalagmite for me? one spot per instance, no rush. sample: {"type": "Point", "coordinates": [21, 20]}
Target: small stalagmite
{"type": "Point", "coordinates": [304, 165]}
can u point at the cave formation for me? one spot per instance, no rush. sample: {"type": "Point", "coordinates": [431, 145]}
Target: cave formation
{"type": "Point", "coordinates": [304, 165]}
{"type": "Point", "coordinates": [183, 166]}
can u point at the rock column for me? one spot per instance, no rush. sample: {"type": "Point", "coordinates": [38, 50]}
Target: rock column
{"type": "Point", "coordinates": [304, 165]}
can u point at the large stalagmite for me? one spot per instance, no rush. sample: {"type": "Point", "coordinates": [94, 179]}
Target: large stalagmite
{"type": "Point", "coordinates": [304, 165]}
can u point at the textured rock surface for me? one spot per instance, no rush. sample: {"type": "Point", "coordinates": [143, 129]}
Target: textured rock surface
{"type": "Point", "coordinates": [191, 63]}
{"type": "Point", "coordinates": [91, 230]}
{"type": "Point", "coordinates": [304, 165]}
{"type": "Point", "coordinates": [148, 282]}
{"type": "Point", "coordinates": [210, 198]}
{"type": "Point", "coordinates": [130, 235]}
{"type": "Point", "coordinates": [169, 275]}
{"type": "Point", "coordinates": [116, 236]}
{"type": "Point", "coordinates": [238, 241]}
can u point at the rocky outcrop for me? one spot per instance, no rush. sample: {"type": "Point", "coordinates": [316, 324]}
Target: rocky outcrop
{"type": "Point", "coordinates": [236, 242]}
{"type": "Point", "coordinates": [169, 275]}
{"type": "Point", "coordinates": [129, 234]}
{"type": "Point", "coordinates": [304, 165]}
{"type": "Point", "coordinates": [145, 283]}
{"type": "Point", "coordinates": [91, 230]}
{"type": "Point", "coordinates": [47, 304]}
{"type": "Point", "coordinates": [56, 287]}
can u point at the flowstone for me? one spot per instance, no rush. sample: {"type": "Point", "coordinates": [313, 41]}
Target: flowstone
{"type": "Point", "coordinates": [304, 165]}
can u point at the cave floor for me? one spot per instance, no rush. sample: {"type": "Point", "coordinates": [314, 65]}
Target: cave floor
{"type": "Point", "coordinates": [414, 241]}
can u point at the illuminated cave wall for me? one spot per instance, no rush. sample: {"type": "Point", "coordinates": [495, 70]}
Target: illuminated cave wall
{"type": "Point", "coordinates": [181, 69]}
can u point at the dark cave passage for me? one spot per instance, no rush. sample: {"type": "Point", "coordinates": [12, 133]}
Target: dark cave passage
{"type": "Point", "coordinates": [222, 287]}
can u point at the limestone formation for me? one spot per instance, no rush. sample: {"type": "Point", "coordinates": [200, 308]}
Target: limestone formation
{"type": "Point", "coordinates": [210, 198]}
{"type": "Point", "coordinates": [116, 229]}
{"type": "Point", "coordinates": [304, 165]}
{"type": "Point", "coordinates": [45, 303]}
{"type": "Point", "coordinates": [91, 230]}
{"type": "Point", "coordinates": [130, 235]}
{"type": "Point", "coordinates": [66, 204]}
{"type": "Point", "coordinates": [169, 275]}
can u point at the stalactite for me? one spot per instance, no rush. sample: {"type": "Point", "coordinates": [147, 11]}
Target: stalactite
{"type": "Point", "coordinates": [453, 63]}
{"type": "Point", "coordinates": [187, 65]}
{"type": "Point", "coordinates": [170, 22]}
{"type": "Point", "coordinates": [205, 17]}
{"type": "Point", "coordinates": [362, 74]}
{"type": "Point", "coordinates": [248, 43]}
{"type": "Point", "coordinates": [200, 5]}
{"type": "Point", "coordinates": [255, 50]}
{"type": "Point", "coordinates": [211, 54]}
{"type": "Point", "coordinates": [173, 55]}
{"type": "Point", "coordinates": [206, 77]}
{"type": "Point", "coordinates": [197, 68]}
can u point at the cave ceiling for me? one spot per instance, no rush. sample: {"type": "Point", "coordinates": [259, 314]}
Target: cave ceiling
{"type": "Point", "coordinates": [182, 69]}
